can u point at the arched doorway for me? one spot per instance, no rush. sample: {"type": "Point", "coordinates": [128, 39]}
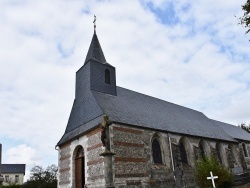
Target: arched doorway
{"type": "Point", "coordinates": [79, 168]}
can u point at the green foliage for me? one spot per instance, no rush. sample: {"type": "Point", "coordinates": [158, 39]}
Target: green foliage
{"type": "Point", "coordinates": [245, 19]}
{"type": "Point", "coordinates": [245, 127]}
{"type": "Point", "coordinates": [42, 178]}
{"type": "Point", "coordinates": [203, 169]}
{"type": "Point", "coordinates": [11, 186]}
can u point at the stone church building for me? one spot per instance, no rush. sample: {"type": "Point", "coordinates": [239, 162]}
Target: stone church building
{"type": "Point", "coordinates": [120, 138]}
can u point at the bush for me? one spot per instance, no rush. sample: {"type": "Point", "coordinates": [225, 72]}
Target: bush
{"type": "Point", "coordinates": [207, 165]}
{"type": "Point", "coordinates": [11, 186]}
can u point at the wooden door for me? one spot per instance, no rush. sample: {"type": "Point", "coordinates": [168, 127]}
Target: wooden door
{"type": "Point", "coordinates": [79, 169]}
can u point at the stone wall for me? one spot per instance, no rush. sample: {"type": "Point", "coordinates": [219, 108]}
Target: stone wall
{"type": "Point", "coordinates": [95, 163]}
{"type": "Point", "coordinates": [133, 165]}
{"type": "Point", "coordinates": [64, 165]}
{"type": "Point", "coordinates": [130, 159]}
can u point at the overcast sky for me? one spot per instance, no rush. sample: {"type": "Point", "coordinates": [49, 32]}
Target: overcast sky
{"type": "Point", "coordinates": [192, 53]}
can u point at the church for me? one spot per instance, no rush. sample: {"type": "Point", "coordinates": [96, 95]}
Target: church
{"type": "Point", "coordinates": [119, 138]}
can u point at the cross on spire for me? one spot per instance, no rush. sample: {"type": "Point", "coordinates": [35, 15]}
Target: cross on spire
{"type": "Point", "coordinates": [212, 178]}
{"type": "Point", "coordinates": [94, 22]}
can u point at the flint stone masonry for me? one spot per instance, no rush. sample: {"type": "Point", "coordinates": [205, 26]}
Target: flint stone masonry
{"type": "Point", "coordinates": [130, 168]}
{"type": "Point", "coordinates": [129, 161]}
{"type": "Point", "coordinates": [64, 177]}
{"type": "Point", "coordinates": [95, 162]}
{"type": "Point", "coordinates": [127, 135]}
{"type": "Point", "coordinates": [94, 139]}
{"type": "Point", "coordinates": [94, 153]}
{"type": "Point", "coordinates": [129, 151]}
{"type": "Point", "coordinates": [64, 164]}
{"type": "Point", "coordinates": [96, 170]}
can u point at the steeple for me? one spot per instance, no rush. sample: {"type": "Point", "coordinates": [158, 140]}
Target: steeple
{"type": "Point", "coordinates": [95, 51]}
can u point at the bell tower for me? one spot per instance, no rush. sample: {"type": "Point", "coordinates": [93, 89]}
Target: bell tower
{"type": "Point", "coordinates": [102, 74]}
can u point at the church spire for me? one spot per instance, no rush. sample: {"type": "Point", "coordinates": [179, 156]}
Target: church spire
{"type": "Point", "coordinates": [95, 51]}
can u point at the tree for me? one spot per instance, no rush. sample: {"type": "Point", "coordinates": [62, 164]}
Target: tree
{"type": "Point", "coordinates": [245, 19]}
{"type": "Point", "coordinates": [245, 127]}
{"type": "Point", "coordinates": [42, 178]}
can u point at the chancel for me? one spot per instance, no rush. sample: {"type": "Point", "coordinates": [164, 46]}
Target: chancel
{"type": "Point", "coordinates": [148, 137]}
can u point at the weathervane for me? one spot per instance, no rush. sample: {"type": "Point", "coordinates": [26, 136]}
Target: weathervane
{"type": "Point", "coordinates": [94, 22]}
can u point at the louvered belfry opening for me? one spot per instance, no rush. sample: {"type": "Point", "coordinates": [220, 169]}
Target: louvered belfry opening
{"type": "Point", "coordinates": [79, 168]}
{"type": "Point", "coordinates": [107, 76]}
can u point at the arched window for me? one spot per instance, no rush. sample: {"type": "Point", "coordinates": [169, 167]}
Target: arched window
{"type": "Point", "coordinates": [107, 76]}
{"type": "Point", "coordinates": [218, 153]}
{"type": "Point", "coordinates": [230, 156]}
{"type": "Point", "coordinates": [157, 158]}
{"type": "Point", "coordinates": [183, 153]}
{"type": "Point", "coordinates": [202, 152]}
{"type": "Point", "coordinates": [244, 150]}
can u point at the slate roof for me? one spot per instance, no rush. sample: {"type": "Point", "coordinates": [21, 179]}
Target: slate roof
{"type": "Point", "coordinates": [137, 109]}
{"type": "Point", "coordinates": [95, 51]}
{"type": "Point", "coordinates": [13, 168]}
{"type": "Point", "coordinates": [233, 131]}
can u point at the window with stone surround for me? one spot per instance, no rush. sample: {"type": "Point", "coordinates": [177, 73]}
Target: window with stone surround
{"type": "Point", "coordinates": [156, 148]}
